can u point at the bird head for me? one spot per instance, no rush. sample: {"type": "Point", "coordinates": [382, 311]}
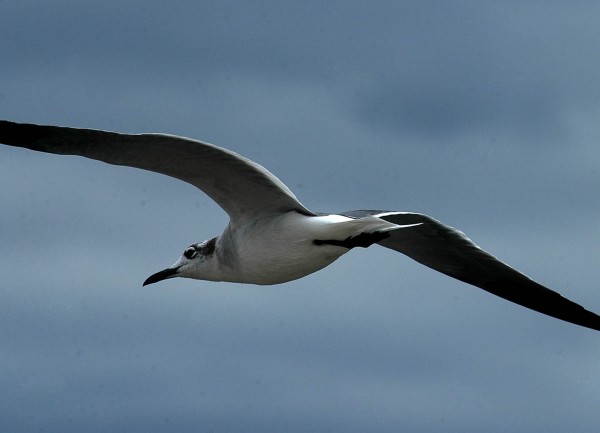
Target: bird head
{"type": "Point", "coordinates": [196, 261]}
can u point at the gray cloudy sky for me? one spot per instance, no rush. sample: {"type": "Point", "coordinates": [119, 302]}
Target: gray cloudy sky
{"type": "Point", "coordinates": [484, 115]}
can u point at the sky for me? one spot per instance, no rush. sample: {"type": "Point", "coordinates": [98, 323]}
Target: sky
{"type": "Point", "coordinates": [483, 115]}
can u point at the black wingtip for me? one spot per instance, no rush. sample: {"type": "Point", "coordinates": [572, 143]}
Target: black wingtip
{"type": "Point", "coordinates": [22, 134]}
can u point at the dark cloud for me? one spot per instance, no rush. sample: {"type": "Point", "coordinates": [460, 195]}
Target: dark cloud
{"type": "Point", "coordinates": [483, 115]}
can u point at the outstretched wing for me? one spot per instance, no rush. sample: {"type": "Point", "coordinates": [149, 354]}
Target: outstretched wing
{"type": "Point", "coordinates": [243, 188]}
{"type": "Point", "coordinates": [451, 252]}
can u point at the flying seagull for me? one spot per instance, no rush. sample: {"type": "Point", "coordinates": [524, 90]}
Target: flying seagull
{"type": "Point", "coordinates": [271, 237]}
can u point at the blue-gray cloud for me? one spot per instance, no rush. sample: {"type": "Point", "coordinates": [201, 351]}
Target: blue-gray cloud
{"type": "Point", "coordinates": [483, 115]}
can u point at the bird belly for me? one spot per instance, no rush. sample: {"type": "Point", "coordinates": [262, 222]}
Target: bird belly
{"type": "Point", "coordinates": [278, 249]}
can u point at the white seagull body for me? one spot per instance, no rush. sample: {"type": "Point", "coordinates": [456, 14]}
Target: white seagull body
{"type": "Point", "coordinates": [271, 237]}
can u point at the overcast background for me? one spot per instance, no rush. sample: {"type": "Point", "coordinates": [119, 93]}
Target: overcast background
{"type": "Point", "coordinates": [484, 115]}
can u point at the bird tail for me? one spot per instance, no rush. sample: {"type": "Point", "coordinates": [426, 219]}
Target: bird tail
{"type": "Point", "coordinates": [374, 224]}
{"type": "Point", "coordinates": [337, 227]}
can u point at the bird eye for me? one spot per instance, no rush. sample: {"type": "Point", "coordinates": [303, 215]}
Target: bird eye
{"type": "Point", "coordinates": [189, 253]}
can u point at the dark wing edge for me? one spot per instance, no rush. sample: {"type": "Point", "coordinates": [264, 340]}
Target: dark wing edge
{"type": "Point", "coordinates": [228, 178]}
{"type": "Point", "coordinates": [451, 252]}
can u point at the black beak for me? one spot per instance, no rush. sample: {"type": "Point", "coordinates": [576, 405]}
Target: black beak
{"type": "Point", "coordinates": [162, 275]}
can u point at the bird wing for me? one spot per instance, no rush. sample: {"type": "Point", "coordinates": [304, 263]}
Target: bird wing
{"type": "Point", "coordinates": [243, 188]}
{"type": "Point", "coordinates": [451, 252]}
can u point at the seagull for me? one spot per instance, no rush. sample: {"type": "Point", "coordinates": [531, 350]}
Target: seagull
{"type": "Point", "coordinates": [271, 237]}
